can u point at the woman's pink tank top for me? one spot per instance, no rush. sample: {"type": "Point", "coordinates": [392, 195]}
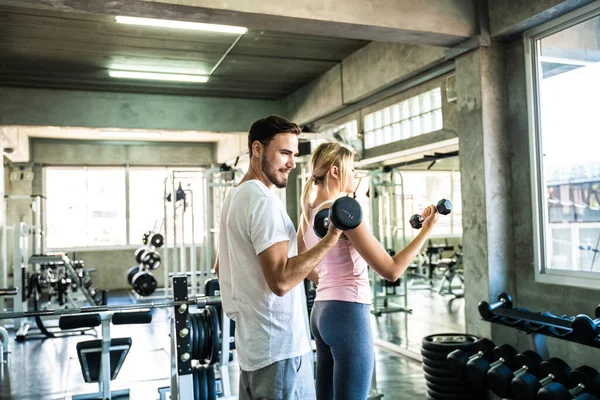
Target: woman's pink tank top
{"type": "Point", "coordinates": [343, 273]}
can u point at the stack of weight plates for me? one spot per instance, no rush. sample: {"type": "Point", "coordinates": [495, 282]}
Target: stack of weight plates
{"type": "Point", "coordinates": [441, 383]}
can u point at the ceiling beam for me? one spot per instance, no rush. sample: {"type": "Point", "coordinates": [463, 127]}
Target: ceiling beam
{"type": "Point", "coordinates": [434, 22]}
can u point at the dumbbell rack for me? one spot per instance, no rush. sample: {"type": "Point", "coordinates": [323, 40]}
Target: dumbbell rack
{"type": "Point", "coordinates": [537, 324]}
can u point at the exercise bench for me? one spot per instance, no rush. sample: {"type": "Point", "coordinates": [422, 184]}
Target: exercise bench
{"type": "Point", "coordinates": [101, 359]}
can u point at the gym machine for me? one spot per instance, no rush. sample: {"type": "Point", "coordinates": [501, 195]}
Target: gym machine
{"type": "Point", "coordinates": [217, 182]}
{"type": "Point", "coordinates": [212, 184]}
{"type": "Point", "coordinates": [386, 190]}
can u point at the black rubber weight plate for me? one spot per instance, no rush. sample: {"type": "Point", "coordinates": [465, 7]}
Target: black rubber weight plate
{"type": "Point", "coordinates": [433, 355]}
{"type": "Point", "coordinates": [447, 342]}
{"type": "Point", "coordinates": [436, 364]}
{"type": "Point", "coordinates": [450, 389]}
{"type": "Point", "coordinates": [439, 372]}
{"type": "Point", "coordinates": [203, 383]}
{"type": "Point", "coordinates": [196, 379]}
{"type": "Point", "coordinates": [212, 383]}
{"type": "Point", "coordinates": [446, 396]}
{"type": "Point", "coordinates": [214, 326]}
{"type": "Point", "coordinates": [444, 381]}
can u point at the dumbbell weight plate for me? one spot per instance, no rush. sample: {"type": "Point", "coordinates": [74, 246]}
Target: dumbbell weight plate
{"type": "Point", "coordinates": [131, 273]}
{"type": "Point", "coordinates": [587, 376]}
{"type": "Point", "coordinates": [144, 283]}
{"type": "Point", "coordinates": [321, 222]}
{"type": "Point", "coordinates": [346, 213]}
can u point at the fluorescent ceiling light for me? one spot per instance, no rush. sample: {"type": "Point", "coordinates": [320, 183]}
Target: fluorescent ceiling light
{"type": "Point", "coordinates": [130, 134]}
{"type": "Point", "coordinates": [157, 76]}
{"type": "Point", "coordinates": [195, 26]}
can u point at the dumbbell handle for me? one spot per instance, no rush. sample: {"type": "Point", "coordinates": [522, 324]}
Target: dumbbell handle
{"type": "Point", "coordinates": [547, 380]}
{"type": "Point", "coordinates": [486, 309]}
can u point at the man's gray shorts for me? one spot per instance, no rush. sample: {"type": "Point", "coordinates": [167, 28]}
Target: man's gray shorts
{"type": "Point", "coordinates": [286, 379]}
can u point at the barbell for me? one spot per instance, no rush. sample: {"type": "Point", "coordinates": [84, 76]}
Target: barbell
{"type": "Point", "coordinates": [202, 301]}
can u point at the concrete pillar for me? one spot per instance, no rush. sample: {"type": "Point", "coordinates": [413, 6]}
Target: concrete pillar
{"type": "Point", "coordinates": [485, 183]}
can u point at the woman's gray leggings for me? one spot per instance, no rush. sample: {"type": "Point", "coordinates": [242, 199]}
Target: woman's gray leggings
{"type": "Point", "coordinates": [345, 352]}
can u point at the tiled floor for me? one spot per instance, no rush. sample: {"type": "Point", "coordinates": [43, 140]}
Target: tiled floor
{"type": "Point", "coordinates": [49, 369]}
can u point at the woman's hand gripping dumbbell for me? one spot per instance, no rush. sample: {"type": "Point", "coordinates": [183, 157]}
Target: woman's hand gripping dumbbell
{"type": "Point", "coordinates": [444, 207]}
{"type": "Point", "coordinates": [345, 214]}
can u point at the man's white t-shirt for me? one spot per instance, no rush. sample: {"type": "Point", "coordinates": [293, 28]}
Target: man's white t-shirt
{"type": "Point", "coordinates": [269, 328]}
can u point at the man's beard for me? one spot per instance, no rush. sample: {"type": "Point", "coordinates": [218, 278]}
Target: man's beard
{"type": "Point", "coordinates": [271, 174]}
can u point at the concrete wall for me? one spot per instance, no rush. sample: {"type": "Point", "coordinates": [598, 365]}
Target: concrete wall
{"type": "Point", "coordinates": [371, 69]}
{"type": "Point", "coordinates": [82, 152]}
{"type": "Point", "coordinates": [435, 22]}
{"type": "Point", "coordinates": [40, 107]}
{"type": "Point", "coordinates": [511, 17]}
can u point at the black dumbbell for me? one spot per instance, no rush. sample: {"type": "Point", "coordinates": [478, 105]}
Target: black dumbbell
{"type": "Point", "coordinates": [526, 386]}
{"type": "Point", "coordinates": [585, 329]}
{"type": "Point", "coordinates": [499, 378]}
{"type": "Point", "coordinates": [345, 213]}
{"type": "Point", "coordinates": [582, 380]}
{"type": "Point", "coordinates": [458, 359]}
{"type": "Point", "coordinates": [444, 207]}
{"type": "Point", "coordinates": [478, 368]}
{"type": "Point", "coordinates": [486, 310]}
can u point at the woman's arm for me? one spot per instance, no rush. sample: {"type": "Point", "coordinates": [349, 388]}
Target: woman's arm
{"type": "Point", "coordinates": [391, 268]}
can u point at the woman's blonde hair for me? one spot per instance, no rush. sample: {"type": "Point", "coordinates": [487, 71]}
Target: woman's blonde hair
{"type": "Point", "coordinates": [325, 156]}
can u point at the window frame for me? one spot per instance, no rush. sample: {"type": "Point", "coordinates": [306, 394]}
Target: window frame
{"type": "Point", "coordinates": [581, 279]}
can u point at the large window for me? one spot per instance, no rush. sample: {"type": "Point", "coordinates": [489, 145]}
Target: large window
{"type": "Point", "coordinates": [94, 207]}
{"type": "Point", "coordinates": [412, 117]}
{"type": "Point", "coordinates": [564, 73]}
{"type": "Point", "coordinates": [85, 207]}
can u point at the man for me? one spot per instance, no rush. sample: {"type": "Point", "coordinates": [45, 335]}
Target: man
{"type": "Point", "coordinates": [259, 270]}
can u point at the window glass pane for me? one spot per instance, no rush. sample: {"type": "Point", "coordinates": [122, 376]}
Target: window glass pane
{"type": "Point", "coordinates": [569, 83]}
{"type": "Point", "coordinates": [106, 207]}
{"type": "Point", "coordinates": [146, 211]}
{"type": "Point", "coordinates": [66, 208]}
{"type": "Point", "coordinates": [85, 207]}
{"type": "Point", "coordinates": [396, 113]}
{"type": "Point", "coordinates": [387, 134]}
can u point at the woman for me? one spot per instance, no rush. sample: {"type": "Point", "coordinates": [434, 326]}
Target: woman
{"type": "Point", "coordinates": [340, 316]}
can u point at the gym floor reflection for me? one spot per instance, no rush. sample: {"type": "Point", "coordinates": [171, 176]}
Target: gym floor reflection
{"type": "Point", "coordinates": [49, 369]}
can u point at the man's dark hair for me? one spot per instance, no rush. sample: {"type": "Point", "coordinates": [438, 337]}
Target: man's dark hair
{"type": "Point", "coordinates": [265, 129]}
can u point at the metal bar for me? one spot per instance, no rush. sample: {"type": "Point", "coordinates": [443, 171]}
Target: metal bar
{"type": "Point", "coordinates": [225, 55]}
{"type": "Point", "coordinates": [201, 301]}
{"type": "Point", "coordinates": [9, 292]}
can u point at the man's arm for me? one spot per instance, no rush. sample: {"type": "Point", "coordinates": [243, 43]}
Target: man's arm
{"type": "Point", "coordinates": [216, 267]}
{"type": "Point", "coordinates": [282, 273]}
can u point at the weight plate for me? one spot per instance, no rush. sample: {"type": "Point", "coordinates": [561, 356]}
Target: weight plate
{"type": "Point", "coordinates": [346, 213]}
{"type": "Point", "coordinates": [320, 224]}
{"type": "Point", "coordinates": [214, 327]}
{"type": "Point", "coordinates": [131, 273]}
{"type": "Point", "coordinates": [144, 283]}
